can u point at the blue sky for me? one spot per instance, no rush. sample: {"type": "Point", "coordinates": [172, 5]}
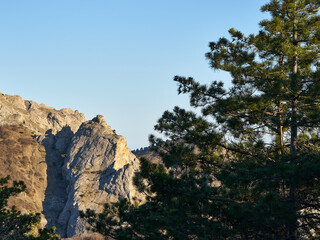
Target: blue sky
{"type": "Point", "coordinates": [115, 58]}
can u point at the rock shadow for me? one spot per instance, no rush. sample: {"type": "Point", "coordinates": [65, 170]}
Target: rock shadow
{"type": "Point", "coordinates": [56, 192]}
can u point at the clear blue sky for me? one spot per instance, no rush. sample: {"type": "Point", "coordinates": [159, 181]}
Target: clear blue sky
{"type": "Point", "coordinates": [115, 58]}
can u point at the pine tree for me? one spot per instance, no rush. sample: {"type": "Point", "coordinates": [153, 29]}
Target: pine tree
{"type": "Point", "coordinates": [248, 167]}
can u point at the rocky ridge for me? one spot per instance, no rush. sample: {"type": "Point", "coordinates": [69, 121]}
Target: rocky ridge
{"type": "Point", "coordinates": [83, 163]}
{"type": "Point", "coordinates": [39, 118]}
{"type": "Point", "coordinates": [148, 154]}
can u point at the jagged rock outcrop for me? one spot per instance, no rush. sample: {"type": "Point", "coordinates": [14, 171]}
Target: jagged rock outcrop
{"type": "Point", "coordinates": [79, 167]}
{"type": "Point", "coordinates": [53, 130]}
{"type": "Point", "coordinates": [99, 168]}
{"type": "Point", "coordinates": [37, 117]}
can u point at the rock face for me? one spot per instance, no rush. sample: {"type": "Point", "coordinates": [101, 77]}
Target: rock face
{"type": "Point", "coordinates": [37, 117]}
{"type": "Point", "coordinates": [99, 167]}
{"type": "Point", "coordinates": [81, 164]}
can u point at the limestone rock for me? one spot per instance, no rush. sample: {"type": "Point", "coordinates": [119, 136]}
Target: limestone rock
{"type": "Point", "coordinates": [99, 168]}
{"type": "Point", "coordinates": [37, 117]}
{"type": "Point", "coordinates": [69, 164]}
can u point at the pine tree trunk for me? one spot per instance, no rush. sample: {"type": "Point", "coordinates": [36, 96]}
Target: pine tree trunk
{"type": "Point", "coordinates": [280, 129]}
{"type": "Point", "coordinates": [292, 229]}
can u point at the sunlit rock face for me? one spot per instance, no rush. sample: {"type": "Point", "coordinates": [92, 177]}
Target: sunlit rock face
{"type": "Point", "coordinates": [34, 136]}
{"type": "Point", "coordinates": [37, 117]}
{"type": "Point", "coordinates": [75, 164]}
{"type": "Point", "coordinates": [99, 167]}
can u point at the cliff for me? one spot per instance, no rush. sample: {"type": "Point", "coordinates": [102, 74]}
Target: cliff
{"type": "Point", "coordinates": [98, 167]}
{"type": "Point", "coordinates": [39, 118]}
{"type": "Point", "coordinates": [68, 163]}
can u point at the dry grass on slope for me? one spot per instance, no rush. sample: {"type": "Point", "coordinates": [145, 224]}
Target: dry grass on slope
{"type": "Point", "coordinates": [23, 158]}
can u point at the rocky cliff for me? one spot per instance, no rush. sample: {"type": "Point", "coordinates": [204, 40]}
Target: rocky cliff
{"type": "Point", "coordinates": [39, 118]}
{"type": "Point", "coordinates": [98, 167]}
{"type": "Point", "coordinates": [70, 164]}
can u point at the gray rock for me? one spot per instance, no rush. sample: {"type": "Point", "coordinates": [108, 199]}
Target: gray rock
{"type": "Point", "coordinates": [86, 166]}
{"type": "Point", "coordinates": [99, 168]}
{"type": "Point", "coordinates": [37, 117]}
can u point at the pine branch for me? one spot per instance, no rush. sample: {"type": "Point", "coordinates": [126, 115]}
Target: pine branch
{"type": "Point", "coordinates": [224, 200]}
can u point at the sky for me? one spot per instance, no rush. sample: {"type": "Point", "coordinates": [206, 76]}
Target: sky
{"type": "Point", "coordinates": [115, 58]}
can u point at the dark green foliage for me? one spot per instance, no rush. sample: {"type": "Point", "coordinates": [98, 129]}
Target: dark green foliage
{"type": "Point", "coordinates": [46, 234]}
{"type": "Point", "coordinates": [13, 224]}
{"type": "Point", "coordinates": [104, 222]}
{"type": "Point", "coordinates": [248, 167]}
